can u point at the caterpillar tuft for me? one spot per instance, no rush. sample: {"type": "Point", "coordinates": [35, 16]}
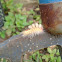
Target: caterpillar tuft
{"type": "Point", "coordinates": [33, 30]}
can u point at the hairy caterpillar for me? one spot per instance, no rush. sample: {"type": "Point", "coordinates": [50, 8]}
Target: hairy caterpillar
{"type": "Point", "coordinates": [34, 29]}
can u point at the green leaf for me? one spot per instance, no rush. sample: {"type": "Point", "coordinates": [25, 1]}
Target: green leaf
{"type": "Point", "coordinates": [57, 53]}
{"type": "Point", "coordinates": [38, 57]}
{"type": "Point", "coordinates": [46, 57]}
{"type": "Point", "coordinates": [28, 12]}
{"type": "Point", "coordinates": [34, 56]}
{"type": "Point", "coordinates": [59, 59]}
{"type": "Point", "coordinates": [17, 16]}
{"type": "Point", "coordinates": [2, 34]}
{"type": "Point", "coordinates": [30, 22]}
{"type": "Point", "coordinates": [6, 18]}
{"type": "Point", "coordinates": [14, 30]}
{"type": "Point", "coordinates": [6, 24]}
{"type": "Point", "coordinates": [19, 6]}
{"type": "Point", "coordinates": [4, 60]}
{"type": "Point", "coordinates": [10, 14]}
{"type": "Point", "coordinates": [8, 32]}
{"type": "Point", "coordinates": [40, 21]}
{"type": "Point", "coordinates": [35, 16]}
{"type": "Point", "coordinates": [24, 24]}
{"type": "Point", "coordinates": [49, 50]}
{"type": "Point", "coordinates": [14, 34]}
{"type": "Point", "coordinates": [52, 56]}
{"type": "Point", "coordinates": [11, 23]}
{"type": "Point", "coordinates": [19, 28]}
{"type": "Point", "coordinates": [32, 12]}
{"type": "Point", "coordinates": [54, 51]}
{"type": "Point", "coordinates": [17, 32]}
{"type": "Point", "coordinates": [38, 18]}
{"type": "Point", "coordinates": [18, 24]}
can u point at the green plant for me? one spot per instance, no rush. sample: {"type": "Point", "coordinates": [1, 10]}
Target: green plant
{"type": "Point", "coordinates": [16, 19]}
{"type": "Point", "coordinates": [51, 56]}
{"type": "Point", "coordinates": [15, 22]}
{"type": "Point", "coordinates": [3, 4]}
{"type": "Point", "coordinates": [4, 60]}
{"type": "Point", "coordinates": [37, 18]}
{"type": "Point", "coordinates": [2, 34]}
{"type": "Point", "coordinates": [37, 57]}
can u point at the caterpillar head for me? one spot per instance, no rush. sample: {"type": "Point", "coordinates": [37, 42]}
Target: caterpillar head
{"type": "Point", "coordinates": [34, 29]}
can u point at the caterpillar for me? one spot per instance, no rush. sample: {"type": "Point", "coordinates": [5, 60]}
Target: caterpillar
{"type": "Point", "coordinates": [33, 30]}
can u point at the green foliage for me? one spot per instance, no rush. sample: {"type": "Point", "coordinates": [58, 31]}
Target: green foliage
{"type": "Point", "coordinates": [37, 18]}
{"type": "Point", "coordinates": [51, 56]}
{"type": "Point", "coordinates": [36, 57]}
{"type": "Point", "coordinates": [3, 4]}
{"type": "Point", "coordinates": [2, 34]}
{"type": "Point", "coordinates": [16, 18]}
{"type": "Point", "coordinates": [4, 60]}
